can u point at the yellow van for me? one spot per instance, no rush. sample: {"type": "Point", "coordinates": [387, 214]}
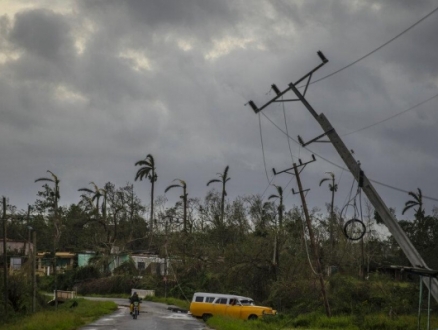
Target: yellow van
{"type": "Point", "coordinates": [205, 305]}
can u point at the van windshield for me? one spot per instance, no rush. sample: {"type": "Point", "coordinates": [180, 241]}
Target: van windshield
{"type": "Point", "coordinates": [247, 302]}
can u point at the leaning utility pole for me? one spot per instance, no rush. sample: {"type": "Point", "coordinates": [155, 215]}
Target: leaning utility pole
{"type": "Point", "coordinates": [400, 236]}
{"type": "Point", "coordinates": [313, 244]}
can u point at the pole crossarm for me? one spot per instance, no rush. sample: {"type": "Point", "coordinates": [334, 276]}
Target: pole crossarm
{"type": "Point", "coordinates": [303, 144]}
{"type": "Point", "coordinates": [279, 93]}
{"type": "Point", "coordinates": [302, 165]}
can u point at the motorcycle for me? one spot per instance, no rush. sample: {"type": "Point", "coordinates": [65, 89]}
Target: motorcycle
{"type": "Point", "coordinates": [135, 310]}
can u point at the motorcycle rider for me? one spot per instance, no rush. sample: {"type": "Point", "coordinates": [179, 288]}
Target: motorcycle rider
{"type": "Point", "coordinates": [132, 299]}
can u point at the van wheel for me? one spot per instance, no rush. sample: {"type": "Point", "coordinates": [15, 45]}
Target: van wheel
{"type": "Point", "coordinates": [252, 317]}
{"type": "Point", "coordinates": [205, 317]}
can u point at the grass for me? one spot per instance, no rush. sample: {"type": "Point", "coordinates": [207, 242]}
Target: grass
{"type": "Point", "coordinates": [315, 321]}
{"type": "Point", "coordinates": [109, 295]}
{"type": "Point", "coordinates": [65, 318]}
{"type": "Point", "coordinates": [170, 301]}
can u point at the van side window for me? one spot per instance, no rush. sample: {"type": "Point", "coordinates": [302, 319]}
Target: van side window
{"type": "Point", "coordinates": [221, 301]}
{"type": "Point", "coordinates": [209, 299]}
{"type": "Point", "coordinates": [199, 299]}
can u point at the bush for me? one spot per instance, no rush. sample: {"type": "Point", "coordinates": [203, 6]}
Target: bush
{"type": "Point", "coordinates": [296, 297]}
{"type": "Point", "coordinates": [118, 284]}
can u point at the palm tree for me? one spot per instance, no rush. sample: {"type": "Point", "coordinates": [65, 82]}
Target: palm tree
{"type": "Point", "coordinates": [96, 194]}
{"type": "Point", "coordinates": [280, 224]}
{"type": "Point", "coordinates": [182, 184]}
{"type": "Point", "coordinates": [333, 188]}
{"type": "Point", "coordinates": [55, 195]}
{"type": "Point", "coordinates": [280, 206]}
{"type": "Point", "coordinates": [148, 170]}
{"type": "Point", "coordinates": [417, 201]}
{"type": "Point", "coordinates": [223, 179]}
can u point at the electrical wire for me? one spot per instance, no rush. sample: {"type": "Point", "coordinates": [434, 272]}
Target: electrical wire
{"type": "Point", "coordinates": [341, 167]}
{"type": "Point", "coordinates": [348, 199]}
{"type": "Point", "coordinates": [174, 275]}
{"type": "Point", "coordinates": [375, 50]}
{"type": "Point", "coordinates": [269, 184]}
{"type": "Point", "coordinates": [305, 244]}
{"type": "Point", "coordinates": [405, 191]}
{"type": "Point", "coordinates": [287, 131]}
{"type": "Point", "coordinates": [391, 117]}
{"type": "Point", "coordinates": [263, 149]}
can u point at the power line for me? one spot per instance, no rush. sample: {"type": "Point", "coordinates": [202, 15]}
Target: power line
{"type": "Point", "coordinates": [398, 114]}
{"type": "Point", "coordinates": [338, 166]}
{"type": "Point", "coordinates": [269, 184]}
{"type": "Point", "coordinates": [375, 50]}
{"type": "Point", "coordinates": [263, 149]}
{"type": "Point", "coordinates": [405, 191]}
{"type": "Point", "coordinates": [287, 131]}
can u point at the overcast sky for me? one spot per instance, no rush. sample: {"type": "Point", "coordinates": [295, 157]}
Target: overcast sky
{"type": "Point", "coordinates": [87, 88]}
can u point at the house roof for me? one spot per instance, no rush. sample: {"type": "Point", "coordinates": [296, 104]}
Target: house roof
{"type": "Point", "coordinates": [58, 254]}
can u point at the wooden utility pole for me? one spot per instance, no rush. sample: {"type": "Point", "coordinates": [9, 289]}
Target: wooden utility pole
{"type": "Point", "coordinates": [34, 266]}
{"type": "Point", "coordinates": [5, 261]}
{"type": "Point", "coordinates": [394, 227]}
{"type": "Point", "coordinates": [313, 244]}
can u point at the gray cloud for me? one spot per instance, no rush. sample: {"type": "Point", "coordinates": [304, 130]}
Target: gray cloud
{"type": "Point", "coordinates": [42, 33]}
{"type": "Point", "coordinates": [171, 78]}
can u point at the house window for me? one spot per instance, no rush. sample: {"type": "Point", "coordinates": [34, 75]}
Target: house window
{"type": "Point", "coordinates": [141, 265]}
{"type": "Point", "coordinates": [15, 263]}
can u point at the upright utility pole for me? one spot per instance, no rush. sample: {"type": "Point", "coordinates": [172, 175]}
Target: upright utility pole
{"type": "Point", "coordinates": [400, 236]}
{"type": "Point", "coordinates": [34, 266]}
{"type": "Point", "coordinates": [313, 243]}
{"type": "Point", "coordinates": [5, 261]}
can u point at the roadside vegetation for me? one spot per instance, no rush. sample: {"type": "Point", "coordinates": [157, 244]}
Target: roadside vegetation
{"type": "Point", "coordinates": [65, 317]}
{"type": "Point", "coordinates": [316, 321]}
{"type": "Point", "coordinates": [250, 245]}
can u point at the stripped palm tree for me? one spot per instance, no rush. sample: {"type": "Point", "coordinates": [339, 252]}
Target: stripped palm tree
{"type": "Point", "coordinates": [148, 170]}
{"type": "Point", "coordinates": [333, 188]}
{"type": "Point", "coordinates": [417, 201]}
{"type": "Point", "coordinates": [57, 235]}
{"type": "Point", "coordinates": [223, 179]}
{"type": "Point", "coordinates": [279, 196]}
{"type": "Point", "coordinates": [280, 206]}
{"type": "Point", "coordinates": [95, 195]}
{"type": "Point", "coordinates": [182, 184]}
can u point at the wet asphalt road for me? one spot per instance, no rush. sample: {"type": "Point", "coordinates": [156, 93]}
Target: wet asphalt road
{"type": "Point", "coordinates": [153, 316]}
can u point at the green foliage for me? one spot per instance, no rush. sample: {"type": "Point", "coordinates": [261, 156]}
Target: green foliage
{"type": "Point", "coordinates": [109, 285]}
{"type": "Point", "coordinates": [234, 247]}
{"type": "Point", "coordinates": [184, 304]}
{"type": "Point", "coordinates": [64, 318]}
{"type": "Point", "coordinates": [117, 284]}
{"type": "Point", "coordinates": [317, 321]}
{"type": "Point", "coordinates": [127, 268]}
{"type": "Point", "coordinates": [225, 323]}
{"type": "Point", "coordinates": [86, 273]}
{"type": "Point", "coordinates": [349, 295]}
{"type": "Point", "coordinates": [19, 295]}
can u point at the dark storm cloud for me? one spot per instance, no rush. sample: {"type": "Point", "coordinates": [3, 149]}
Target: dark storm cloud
{"type": "Point", "coordinates": [42, 33]}
{"type": "Point", "coordinates": [192, 15]}
{"type": "Point", "coordinates": [88, 115]}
